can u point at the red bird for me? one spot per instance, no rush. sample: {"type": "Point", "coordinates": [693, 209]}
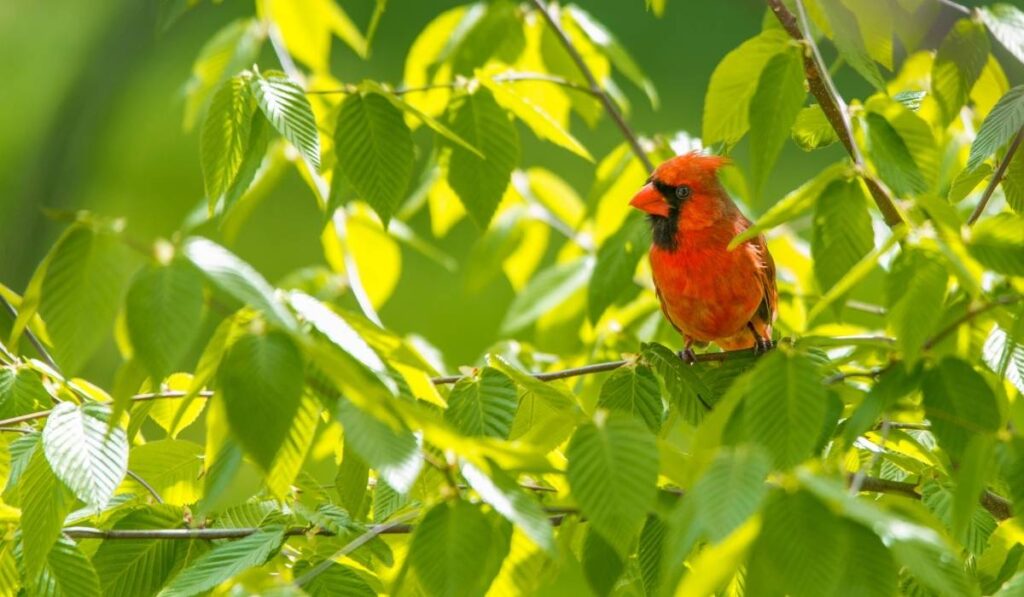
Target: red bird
{"type": "Point", "coordinates": [707, 292]}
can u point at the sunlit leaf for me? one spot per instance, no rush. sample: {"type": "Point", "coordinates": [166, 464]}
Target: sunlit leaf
{"type": "Point", "coordinates": [45, 501]}
{"type": "Point", "coordinates": [733, 85]}
{"type": "Point", "coordinates": [1006, 22]}
{"type": "Point", "coordinates": [917, 278]}
{"type": "Point", "coordinates": [958, 64]}
{"type": "Point", "coordinates": [546, 291]}
{"type": "Point", "coordinates": [1004, 121]}
{"type": "Point", "coordinates": [285, 105]}
{"type": "Point", "coordinates": [140, 567]}
{"type": "Point", "coordinates": [171, 467]}
{"type": "Point", "coordinates": [849, 39]}
{"type": "Point", "coordinates": [225, 134]}
{"type": "Point", "coordinates": [84, 452]}
{"type": "Point", "coordinates": [394, 453]}
{"type": "Point", "coordinates": [812, 130]}
{"type": "Point", "coordinates": [500, 490]}
{"type": "Point", "coordinates": [230, 50]}
{"type": "Point", "coordinates": [224, 561]}
{"type": "Point", "coordinates": [998, 243]}
{"type": "Point", "coordinates": [842, 231]}
{"type": "Point", "coordinates": [66, 573]}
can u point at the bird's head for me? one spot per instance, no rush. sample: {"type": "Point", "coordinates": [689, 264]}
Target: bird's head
{"type": "Point", "coordinates": [683, 194]}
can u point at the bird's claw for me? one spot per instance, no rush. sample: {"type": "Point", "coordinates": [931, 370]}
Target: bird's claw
{"type": "Point", "coordinates": [762, 345]}
{"type": "Point", "coordinates": [688, 356]}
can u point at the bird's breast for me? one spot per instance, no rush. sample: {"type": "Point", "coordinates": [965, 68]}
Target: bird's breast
{"type": "Point", "coordinates": [707, 291]}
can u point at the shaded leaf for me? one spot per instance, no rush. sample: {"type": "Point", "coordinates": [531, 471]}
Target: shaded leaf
{"type": "Point", "coordinates": [1006, 22]}
{"type": "Point", "coordinates": [141, 567]}
{"type": "Point", "coordinates": [812, 130]}
{"type": "Point", "coordinates": [842, 231]}
{"type": "Point", "coordinates": [616, 263]}
{"type": "Point", "coordinates": [375, 150]}
{"type": "Point", "coordinates": [634, 390]}
{"type": "Point", "coordinates": [613, 467]}
{"type": "Point", "coordinates": [223, 562]}
{"type": "Point", "coordinates": [261, 381]}
{"type": "Point", "coordinates": [1004, 121]}
{"type": "Point", "coordinates": [958, 65]}
{"type": "Point", "coordinates": [225, 135]}
{"type": "Point", "coordinates": [394, 453]}
{"type": "Point", "coordinates": [731, 490]}
{"type": "Point", "coordinates": [285, 105]}
{"type": "Point", "coordinates": [483, 405]}
{"type": "Point", "coordinates": [998, 243]}
{"type": "Point", "coordinates": [959, 404]}
{"type": "Point", "coordinates": [547, 290]}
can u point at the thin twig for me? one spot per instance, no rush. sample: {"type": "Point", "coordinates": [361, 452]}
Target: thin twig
{"type": "Point", "coordinates": [997, 506]}
{"type": "Point", "coordinates": [997, 177]}
{"type": "Point", "coordinates": [595, 87]}
{"type": "Point", "coordinates": [32, 338]}
{"type": "Point", "coordinates": [510, 77]}
{"type": "Point", "coordinates": [147, 486]}
{"type": "Point", "coordinates": [968, 316]}
{"type": "Point", "coordinates": [832, 104]}
{"type": "Point", "coordinates": [6, 424]}
{"type": "Point", "coordinates": [955, 6]}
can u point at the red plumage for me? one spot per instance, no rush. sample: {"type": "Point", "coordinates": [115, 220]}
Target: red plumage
{"type": "Point", "coordinates": [707, 292]}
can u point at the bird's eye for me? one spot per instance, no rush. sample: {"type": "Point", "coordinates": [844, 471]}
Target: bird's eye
{"type": "Point", "coordinates": [683, 191]}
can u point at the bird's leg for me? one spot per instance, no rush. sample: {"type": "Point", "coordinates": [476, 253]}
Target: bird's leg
{"type": "Point", "coordinates": [761, 345]}
{"type": "Point", "coordinates": [687, 354]}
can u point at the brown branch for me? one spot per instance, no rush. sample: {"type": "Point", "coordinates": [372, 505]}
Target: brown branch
{"type": "Point", "coordinates": [997, 506]}
{"type": "Point", "coordinates": [832, 104]}
{"type": "Point", "coordinates": [997, 177]}
{"type": "Point", "coordinates": [968, 316]}
{"type": "Point", "coordinates": [595, 87]}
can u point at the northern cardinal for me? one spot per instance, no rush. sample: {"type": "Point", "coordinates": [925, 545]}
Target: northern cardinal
{"type": "Point", "coordinates": [707, 292]}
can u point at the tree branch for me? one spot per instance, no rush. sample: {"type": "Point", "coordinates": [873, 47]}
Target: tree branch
{"type": "Point", "coordinates": [968, 316]}
{"type": "Point", "coordinates": [997, 177]}
{"type": "Point", "coordinates": [595, 87]}
{"type": "Point", "coordinates": [832, 104]}
{"type": "Point", "coordinates": [997, 506]}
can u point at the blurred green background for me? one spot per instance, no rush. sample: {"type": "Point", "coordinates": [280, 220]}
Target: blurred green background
{"type": "Point", "coordinates": [92, 113]}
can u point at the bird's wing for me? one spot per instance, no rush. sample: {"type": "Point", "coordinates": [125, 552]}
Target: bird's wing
{"type": "Point", "coordinates": [766, 276]}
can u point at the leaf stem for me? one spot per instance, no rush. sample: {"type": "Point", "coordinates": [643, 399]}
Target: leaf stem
{"type": "Point", "coordinates": [32, 338]}
{"type": "Point", "coordinates": [595, 87]}
{"type": "Point", "coordinates": [832, 104]}
{"type": "Point", "coordinates": [997, 177]}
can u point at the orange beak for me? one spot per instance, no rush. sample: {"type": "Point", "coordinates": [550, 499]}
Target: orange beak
{"type": "Point", "coordinates": [649, 199]}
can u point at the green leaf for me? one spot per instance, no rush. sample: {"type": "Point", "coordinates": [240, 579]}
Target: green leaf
{"type": "Point", "coordinates": [223, 562]}
{"type": "Point", "coordinates": [252, 163]}
{"type": "Point", "coordinates": [547, 290]}
{"type": "Point", "coordinates": [225, 135]}
{"type": "Point", "coordinates": [939, 500]}
{"type": "Point", "coordinates": [959, 404]}
{"type": "Point", "coordinates": [534, 116]}
{"type": "Point", "coordinates": [231, 49]}
{"type": "Point", "coordinates": [730, 490]}
{"type": "Point", "coordinates": [966, 181]}
{"type": "Point", "coordinates": [773, 109]}
{"type": "Point", "coordinates": [634, 390]}
{"type": "Point", "coordinates": [793, 205]}
{"type": "Point", "coordinates": [1006, 22]}
{"type": "Point", "coordinates": [788, 556]}
{"type": "Point", "coordinates": [480, 183]}
{"type": "Point", "coordinates": [45, 501]}
{"type": "Point", "coordinates": [67, 573]}
{"type": "Point", "coordinates": [172, 467]}
{"type": "Point", "coordinates": [292, 453]}
{"type": "Point", "coordinates": [336, 329]}
{"type": "Point", "coordinates": [1004, 121]}
{"type": "Point", "coordinates": [733, 85]}
{"type": "Point", "coordinates": [501, 491]}
{"type": "Point", "coordinates": [616, 263]}
{"type": "Point", "coordinates": [1004, 354]}
{"type": "Point", "coordinates": [375, 150]}
{"type": "Point", "coordinates": [457, 550]}
{"type": "Point", "coordinates": [393, 452]}
{"type": "Point", "coordinates": [602, 565]}
{"type": "Point", "coordinates": [876, 29]}
{"type": "Point", "coordinates": [483, 405]}
{"type": "Point", "coordinates": [1013, 181]}
{"type": "Point", "coordinates": [613, 470]}
{"type": "Point", "coordinates": [495, 31]}
{"type": "Point", "coordinates": [811, 130]}
{"type": "Point", "coordinates": [842, 231]}
{"type": "Point", "coordinates": [785, 406]}
{"type": "Point", "coordinates": [81, 293]}
{"type": "Point", "coordinates": [335, 581]}
{"type": "Point", "coordinates": [616, 53]}
{"type": "Point", "coordinates": [892, 158]}
{"type": "Point", "coordinates": [847, 36]}
{"type": "Point", "coordinates": [21, 391]}
{"type": "Point", "coordinates": [285, 105]}
{"type": "Point", "coordinates": [684, 387]}
{"type": "Point", "coordinates": [238, 279]}
{"type": "Point", "coordinates": [141, 567]}
{"type": "Point", "coordinates": [958, 65]}
{"type": "Point", "coordinates": [89, 456]}
{"type": "Point", "coordinates": [917, 278]}
{"type": "Point", "coordinates": [164, 310]}
{"type": "Point", "coordinates": [261, 381]}
{"type": "Point", "coordinates": [998, 243]}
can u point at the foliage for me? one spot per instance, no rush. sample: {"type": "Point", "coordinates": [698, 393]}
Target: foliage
{"type": "Point", "coordinates": [279, 438]}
